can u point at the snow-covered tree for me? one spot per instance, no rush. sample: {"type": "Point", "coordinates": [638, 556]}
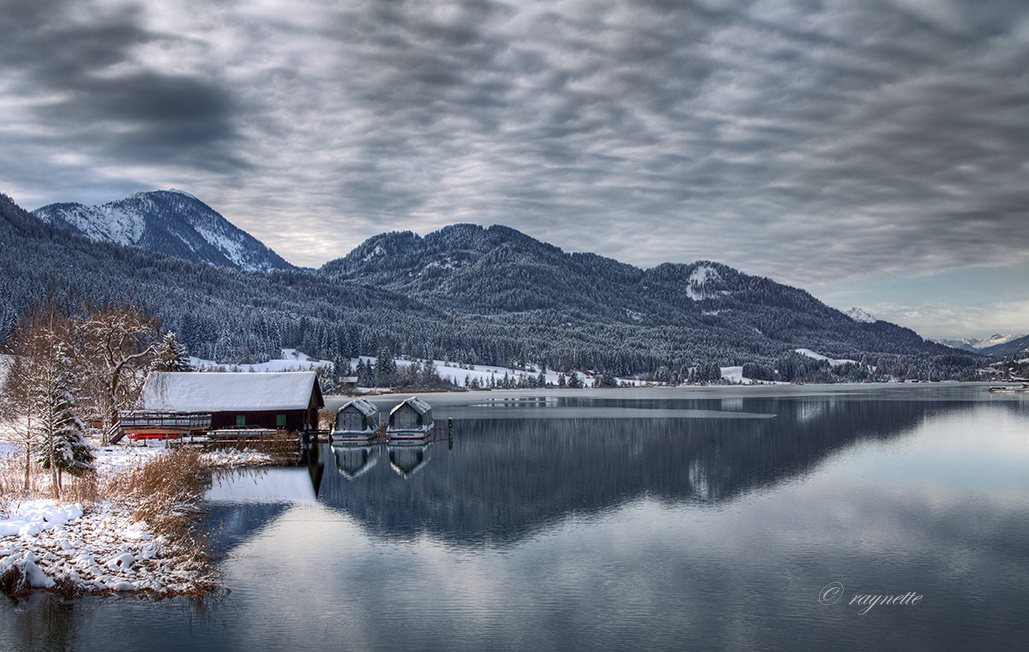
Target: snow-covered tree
{"type": "Point", "coordinates": [170, 354]}
{"type": "Point", "coordinates": [385, 368]}
{"type": "Point", "coordinates": [38, 397]}
{"type": "Point", "coordinates": [60, 433]}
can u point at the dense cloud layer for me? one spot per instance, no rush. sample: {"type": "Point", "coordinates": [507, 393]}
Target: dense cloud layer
{"type": "Point", "coordinates": [806, 140]}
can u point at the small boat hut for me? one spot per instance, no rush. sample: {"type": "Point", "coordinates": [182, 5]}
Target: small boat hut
{"type": "Point", "coordinates": [358, 420]}
{"type": "Point", "coordinates": [410, 420]}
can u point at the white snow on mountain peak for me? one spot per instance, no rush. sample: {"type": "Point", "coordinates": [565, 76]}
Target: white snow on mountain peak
{"type": "Point", "coordinates": [860, 316]}
{"type": "Point", "coordinates": [698, 279]}
{"type": "Point", "coordinates": [184, 193]}
{"type": "Point", "coordinates": [172, 222]}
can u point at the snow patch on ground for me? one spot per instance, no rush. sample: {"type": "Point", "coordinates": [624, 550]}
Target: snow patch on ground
{"type": "Point", "coordinates": [734, 375]}
{"type": "Point", "coordinates": [699, 278]}
{"type": "Point", "coordinates": [378, 251]}
{"type": "Point", "coordinates": [100, 548]}
{"type": "Point", "coordinates": [832, 361]}
{"type": "Point", "coordinates": [291, 360]}
{"type": "Point", "coordinates": [31, 517]}
{"type": "Point", "coordinates": [101, 551]}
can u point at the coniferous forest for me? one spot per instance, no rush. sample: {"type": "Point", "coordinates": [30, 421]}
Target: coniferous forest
{"type": "Point", "coordinates": [470, 295]}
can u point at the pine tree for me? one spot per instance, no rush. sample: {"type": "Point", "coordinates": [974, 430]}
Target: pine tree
{"type": "Point", "coordinates": [171, 355]}
{"type": "Point", "coordinates": [63, 445]}
{"type": "Point", "coordinates": [385, 368]}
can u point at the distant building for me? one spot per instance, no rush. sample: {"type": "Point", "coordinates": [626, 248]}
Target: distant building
{"type": "Point", "coordinates": [283, 400]}
{"type": "Point", "coordinates": [348, 383]}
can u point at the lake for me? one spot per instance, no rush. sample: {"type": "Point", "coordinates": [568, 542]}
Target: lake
{"type": "Point", "coordinates": [707, 518]}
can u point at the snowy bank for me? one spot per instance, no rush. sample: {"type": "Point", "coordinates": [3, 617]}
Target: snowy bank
{"type": "Point", "coordinates": [100, 552]}
{"type": "Point", "coordinates": [107, 547]}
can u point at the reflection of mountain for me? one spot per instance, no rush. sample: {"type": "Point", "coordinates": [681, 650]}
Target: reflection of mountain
{"type": "Point", "coordinates": [240, 503]}
{"type": "Point", "coordinates": [232, 524]}
{"type": "Point", "coordinates": [507, 478]}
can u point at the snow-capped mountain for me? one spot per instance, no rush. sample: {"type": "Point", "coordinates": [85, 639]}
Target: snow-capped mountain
{"type": "Point", "coordinates": [464, 293]}
{"type": "Point", "coordinates": [995, 344]}
{"type": "Point", "coordinates": [860, 316]}
{"type": "Point", "coordinates": [168, 221]}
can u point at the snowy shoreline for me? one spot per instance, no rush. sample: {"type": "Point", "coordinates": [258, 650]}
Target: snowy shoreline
{"type": "Point", "coordinates": [103, 548]}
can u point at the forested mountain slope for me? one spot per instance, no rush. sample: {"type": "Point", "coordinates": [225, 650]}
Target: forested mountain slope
{"type": "Point", "coordinates": [464, 293]}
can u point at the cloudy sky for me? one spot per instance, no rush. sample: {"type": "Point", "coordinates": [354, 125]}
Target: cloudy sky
{"type": "Point", "coordinates": [873, 152]}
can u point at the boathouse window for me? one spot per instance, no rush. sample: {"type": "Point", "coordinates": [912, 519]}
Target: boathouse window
{"type": "Point", "coordinates": [280, 420]}
{"type": "Point", "coordinates": [241, 420]}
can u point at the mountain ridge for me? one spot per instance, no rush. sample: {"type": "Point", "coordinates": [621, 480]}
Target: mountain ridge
{"type": "Point", "coordinates": [172, 222]}
{"type": "Point", "coordinates": [468, 294]}
{"type": "Point", "coordinates": [497, 270]}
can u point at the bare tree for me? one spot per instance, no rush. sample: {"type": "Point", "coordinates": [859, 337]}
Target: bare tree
{"type": "Point", "coordinates": [37, 394]}
{"type": "Point", "coordinates": [119, 344]}
{"type": "Point", "coordinates": [15, 403]}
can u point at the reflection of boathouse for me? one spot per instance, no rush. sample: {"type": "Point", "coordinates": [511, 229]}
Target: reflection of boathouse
{"type": "Point", "coordinates": [352, 461]}
{"type": "Point", "coordinates": [408, 460]}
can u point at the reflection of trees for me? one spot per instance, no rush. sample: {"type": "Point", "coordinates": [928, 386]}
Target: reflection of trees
{"type": "Point", "coordinates": [505, 478]}
{"type": "Point", "coordinates": [46, 621]}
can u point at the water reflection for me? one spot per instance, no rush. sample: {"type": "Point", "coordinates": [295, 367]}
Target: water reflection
{"type": "Point", "coordinates": [614, 533]}
{"type": "Point", "coordinates": [507, 478]}
{"type": "Point", "coordinates": [354, 460]}
{"type": "Point", "coordinates": [407, 459]}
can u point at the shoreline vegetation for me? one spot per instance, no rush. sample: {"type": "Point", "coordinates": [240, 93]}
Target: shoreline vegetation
{"type": "Point", "coordinates": [132, 528]}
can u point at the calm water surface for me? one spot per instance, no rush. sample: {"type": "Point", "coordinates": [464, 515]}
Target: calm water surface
{"type": "Point", "coordinates": [696, 518]}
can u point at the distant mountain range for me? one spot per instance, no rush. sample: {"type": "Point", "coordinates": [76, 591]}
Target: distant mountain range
{"type": "Point", "coordinates": [997, 344]}
{"type": "Point", "coordinates": [703, 305]}
{"type": "Point", "coordinates": [463, 293]}
{"type": "Point", "coordinates": [167, 221]}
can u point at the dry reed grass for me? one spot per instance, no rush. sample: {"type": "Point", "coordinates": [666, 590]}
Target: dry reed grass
{"type": "Point", "coordinates": [12, 483]}
{"type": "Point", "coordinates": [283, 446]}
{"type": "Point", "coordinates": [167, 490]}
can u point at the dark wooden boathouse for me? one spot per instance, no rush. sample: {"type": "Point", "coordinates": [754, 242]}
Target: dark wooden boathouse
{"type": "Point", "coordinates": [274, 401]}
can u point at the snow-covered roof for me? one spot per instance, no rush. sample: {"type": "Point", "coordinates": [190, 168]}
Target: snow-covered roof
{"type": "Point", "coordinates": [363, 405]}
{"type": "Point", "coordinates": [420, 406]}
{"type": "Point", "coordinates": [226, 392]}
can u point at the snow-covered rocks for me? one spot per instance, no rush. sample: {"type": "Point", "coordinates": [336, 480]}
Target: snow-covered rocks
{"type": "Point", "coordinates": [101, 551]}
{"type": "Point", "coordinates": [31, 517]}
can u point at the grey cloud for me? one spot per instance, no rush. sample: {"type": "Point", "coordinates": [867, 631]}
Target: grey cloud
{"type": "Point", "coordinates": [798, 139]}
{"type": "Point", "coordinates": [79, 60]}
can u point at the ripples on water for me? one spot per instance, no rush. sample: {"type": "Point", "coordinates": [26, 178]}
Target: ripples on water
{"type": "Point", "coordinates": [615, 520]}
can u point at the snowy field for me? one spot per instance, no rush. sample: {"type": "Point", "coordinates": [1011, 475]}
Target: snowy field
{"type": "Point", "coordinates": [462, 375]}
{"type": "Point", "coordinates": [291, 360]}
{"type": "Point", "coordinates": [832, 362]}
